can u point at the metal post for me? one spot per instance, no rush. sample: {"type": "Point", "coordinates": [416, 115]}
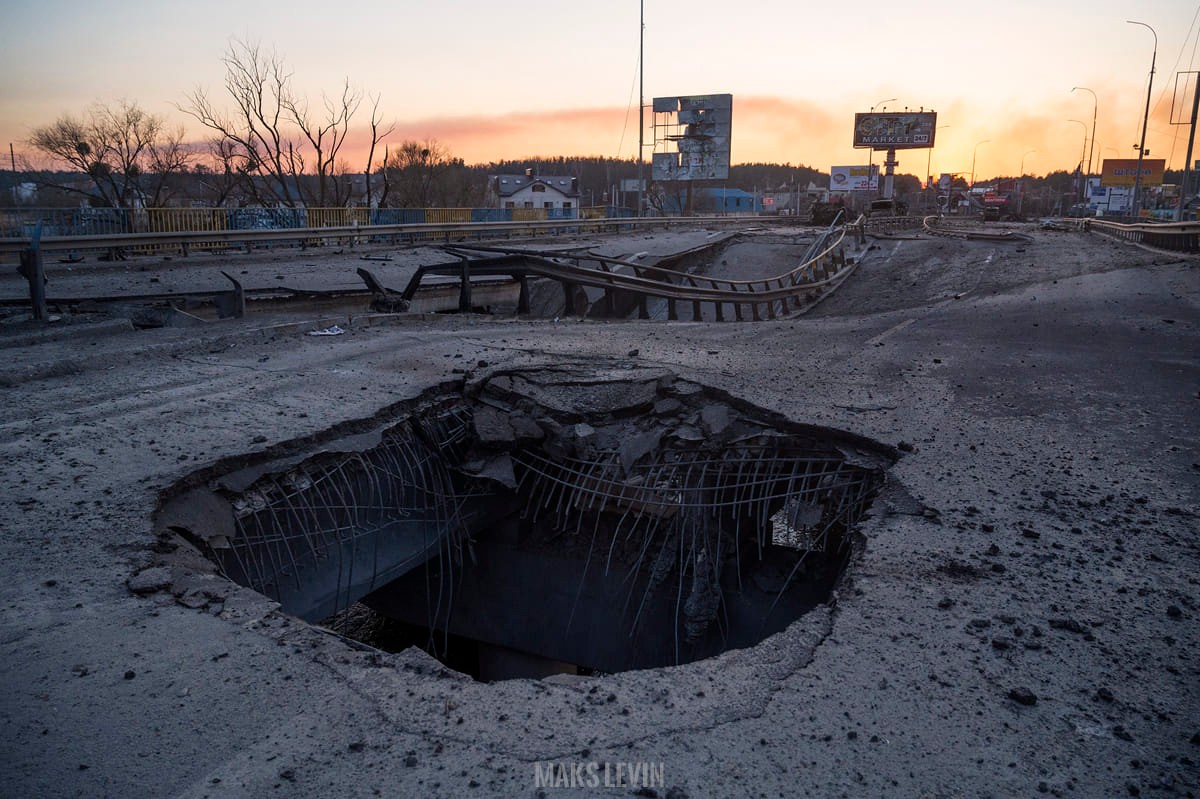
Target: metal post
{"type": "Point", "coordinates": [889, 176]}
{"type": "Point", "coordinates": [1187, 164]}
{"type": "Point", "coordinates": [973, 152]}
{"type": "Point", "coordinates": [1092, 146]}
{"type": "Point", "coordinates": [641, 105]}
{"type": "Point", "coordinates": [33, 270]}
{"type": "Point", "coordinates": [1082, 152]}
{"type": "Point", "coordinates": [1137, 180]}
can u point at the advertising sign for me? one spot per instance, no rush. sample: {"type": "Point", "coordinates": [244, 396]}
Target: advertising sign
{"type": "Point", "coordinates": [907, 130]}
{"type": "Point", "coordinates": [695, 131]}
{"type": "Point", "coordinates": [1123, 171]}
{"type": "Point", "coordinates": [854, 178]}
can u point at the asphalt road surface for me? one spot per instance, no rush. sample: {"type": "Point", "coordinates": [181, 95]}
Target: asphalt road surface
{"type": "Point", "coordinates": [1021, 615]}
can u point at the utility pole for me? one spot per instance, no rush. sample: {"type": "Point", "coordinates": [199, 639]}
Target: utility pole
{"type": "Point", "coordinates": [641, 103]}
{"type": "Point", "coordinates": [1092, 146]}
{"type": "Point", "coordinates": [1187, 164]}
{"type": "Point", "coordinates": [1137, 180]}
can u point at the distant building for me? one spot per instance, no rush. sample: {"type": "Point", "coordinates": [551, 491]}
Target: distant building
{"type": "Point", "coordinates": [550, 192]}
{"type": "Point", "coordinates": [709, 200]}
{"type": "Point", "coordinates": [24, 193]}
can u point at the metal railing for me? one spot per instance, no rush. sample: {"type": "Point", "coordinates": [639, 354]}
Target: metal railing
{"type": "Point", "coordinates": [823, 267]}
{"type": "Point", "coordinates": [16, 223]}
{"type": "Point", "coordinates": [53, 238]}
{"type": "Point", "coordinates": [1175, 236]}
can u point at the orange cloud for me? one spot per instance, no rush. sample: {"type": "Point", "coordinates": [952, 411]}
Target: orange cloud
{"type": "Point", "coordinates": [764, 129]}
{"type": "Point", "coordinates": [778, 130]}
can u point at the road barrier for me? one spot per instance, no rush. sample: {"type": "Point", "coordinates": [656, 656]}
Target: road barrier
{"type": "Point", "coordinates": [1175, 236]}
{"type": "Point", "coordinates": [267, 227]}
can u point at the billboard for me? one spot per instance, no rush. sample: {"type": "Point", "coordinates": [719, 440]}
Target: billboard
{"type": "Point", "coordinates": [1123, 171]}
{"type": "Point", "coordinates": [695, 134]}
{"type": "Point", "coordinates": [854, 178]}
{"type": "Point", "coordinates": [906, 130]}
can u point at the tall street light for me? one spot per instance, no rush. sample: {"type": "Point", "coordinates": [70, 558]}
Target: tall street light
{"type": "Point", "coordinates": [1021, 178]}
{"type": "Point", "coordinates": [1027, 152]}
{"type": "Point", "coordinates": [871, 152]}
{"type": "Point", "coordinates": [1137, 180]}
{"type": "Point", "coordinates": [929, 166]}
{"type": "Point", "coordinates": [973, 152]}
{"type": "Point", "coordinates": [1095, 105]}
{"type": "Point", "coordinates": [1082, 152]}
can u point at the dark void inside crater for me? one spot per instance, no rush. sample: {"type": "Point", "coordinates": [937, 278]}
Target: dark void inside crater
{"type": "Point", "coordinates": [544, 521]}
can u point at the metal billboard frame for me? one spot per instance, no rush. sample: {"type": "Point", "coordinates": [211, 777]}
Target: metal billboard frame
{"type": "Point", "coordinates": [904, 130]}
{"type": "Point", "coordinates": [695, 132]}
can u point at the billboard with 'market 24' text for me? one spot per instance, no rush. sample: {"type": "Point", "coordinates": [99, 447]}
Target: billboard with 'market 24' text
{"type": "Point", "coordinates": [906, 130]}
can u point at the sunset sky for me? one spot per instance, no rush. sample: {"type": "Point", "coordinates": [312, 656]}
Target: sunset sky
{"type": "Point", "coordinates": [505, 80]}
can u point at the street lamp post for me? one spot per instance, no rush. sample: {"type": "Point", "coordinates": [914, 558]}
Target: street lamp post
{"type": "Point", "coordinates": [1082, 152]}
{"type": "Point", "coordinates": [1137, 180]}
{"type": "Point", "coordinates": [973, 152]}
{"type": "Point", "coordinates": [1095, 104]}
{"type": "Point", "coordinates": [929, 166]}
{"type": "Point", "coordinates": [1021, 177]}
{"type": "Point", "coordinates": [1027, 152]}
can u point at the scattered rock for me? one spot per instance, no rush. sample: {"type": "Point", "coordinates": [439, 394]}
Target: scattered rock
{"type": "Point", "coordinates": [493, 427]}
{"type": "Point", "coordinates": [1070, 625]}
{"type": "Point", "coordinates": [1023, 696]}
{"type": "Point", "coordinates": [715, 418]}
{"type": "Point", "coordinates": [147, 581]}
{"type": "Point", "coordinates": [667, 407]}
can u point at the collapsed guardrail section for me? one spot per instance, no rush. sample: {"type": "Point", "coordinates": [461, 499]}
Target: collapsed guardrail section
{"type": "Point", "coordinates": [627, 286]}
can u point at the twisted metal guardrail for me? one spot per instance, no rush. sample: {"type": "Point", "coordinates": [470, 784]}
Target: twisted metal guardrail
{"type": "Point", "coordinates": [825, 265]}
{"type": "Point", "coordinates": [183, 241]}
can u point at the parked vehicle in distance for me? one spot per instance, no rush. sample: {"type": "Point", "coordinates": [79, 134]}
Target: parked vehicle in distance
{"type": "Point", "coordinates": [891, 207]}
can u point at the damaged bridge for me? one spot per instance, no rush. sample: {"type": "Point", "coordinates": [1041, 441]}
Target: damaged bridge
{"type": "Point", "coordinates": [598, 285]}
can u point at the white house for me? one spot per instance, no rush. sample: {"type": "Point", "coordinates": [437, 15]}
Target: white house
{"type": "Point", "coordinates": [534, 191]}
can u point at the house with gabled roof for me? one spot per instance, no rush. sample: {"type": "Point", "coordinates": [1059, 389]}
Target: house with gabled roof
{"type": "Point", "coordinates": [556, 194]}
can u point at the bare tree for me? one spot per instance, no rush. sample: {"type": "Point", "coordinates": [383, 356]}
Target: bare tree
{"type": "Point", "coordinates": [376, 136]}
{"type": "Point", "coordinates": [281, 152]}
{"type": "Point", "coordinates": [414, 174]}
{"type": "Point", "coordinates": [128, 155]}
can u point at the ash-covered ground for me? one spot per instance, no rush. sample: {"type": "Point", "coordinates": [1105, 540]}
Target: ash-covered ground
{"type": "Point", "coordinates": [1020, 615]}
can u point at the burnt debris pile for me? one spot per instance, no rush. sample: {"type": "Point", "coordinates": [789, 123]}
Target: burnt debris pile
{"type": "Point", "coordinates": [561, 519]}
